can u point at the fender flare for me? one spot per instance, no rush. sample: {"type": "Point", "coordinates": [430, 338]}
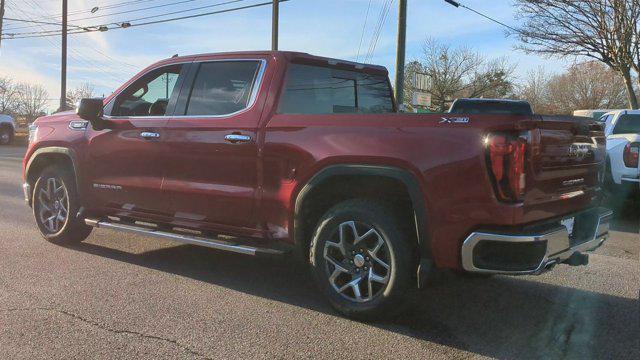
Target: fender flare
{"type": "Point", "coordinates": [402, 175]}
{"type": "Point", "coordinates": [58, 150]}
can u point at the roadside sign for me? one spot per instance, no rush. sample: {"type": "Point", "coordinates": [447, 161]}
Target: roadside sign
{"type": "Point", "coordinates": [421, 99]}
{"type": "Point", "coordinates": [420, 81]}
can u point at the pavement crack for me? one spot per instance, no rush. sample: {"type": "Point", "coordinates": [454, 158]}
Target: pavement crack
{"type": "Point", "coordinates": [566, 337]}
{"type": "Point", "coordinates": [112, 330]}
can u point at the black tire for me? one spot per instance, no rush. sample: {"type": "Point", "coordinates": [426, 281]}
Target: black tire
{"type": "Point", "coordinates": [6, 135]}
{"type": "Point", "coordinates": [70, 230]}
{"type": "Point", "coordinates": [385, 299]}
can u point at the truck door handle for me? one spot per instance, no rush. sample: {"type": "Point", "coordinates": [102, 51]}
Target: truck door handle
{"type": "Point", "coordinates": [237, 138]}
{"type": "Point", "coordinates": [149, 135]}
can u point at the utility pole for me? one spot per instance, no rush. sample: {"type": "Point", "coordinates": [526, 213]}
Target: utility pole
{"type": "Point", "coordinates": [400, 52]}
{"type": "Point", "coordinates": [274, 25]}
{"type": "Point", "coordinates": [63, 67]}
{"type": "Point", "coordinates": [1, 17]}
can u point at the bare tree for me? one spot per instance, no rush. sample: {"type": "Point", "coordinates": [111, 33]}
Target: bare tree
{"type": "Point", "coordinates": [633, 22]}
{"type": "Point", "coordinates": [8, 96]}
{"type": "Point", "coordinates": [84, 90]}
{"type": "Point", "coordinates": [598, 29]}
{"type": "Point", "coordinates": [459, 72]}
{"type": "Point", "coordinates": [32, 101]}
{"type": "Point", "coordinates": [492, 80]}
{"type": "Point", "coordinates": [536, 90]}
{"type": "Point", "coordinates": [588, 85]}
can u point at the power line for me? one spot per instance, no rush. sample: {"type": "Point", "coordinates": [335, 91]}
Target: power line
{"type": "Point", "coordinates": [35, 22]}
{"type": "Point", "coordinates": [98, 27]}
{"type": "Point", "coordinates": [375, 28]}
{"type": "Point", "coordinates": [104, 15]}
{"type": "Point", "coordinates": [383, 19]}
{"type": "Point", "coordinates": [77, 12]}
{"type": "Point", "coordinates": [458, 4]}
{"type": "Point", "coordinates": [78, 56]}
{"type": "Point", "coordinates": [137, 10]}
{"type": "Point", "coordinates": [38, 18]}
{"type": "Point", "coordinates": [364, 26]}
{"type": "Point", "coordinates": [44, 34]}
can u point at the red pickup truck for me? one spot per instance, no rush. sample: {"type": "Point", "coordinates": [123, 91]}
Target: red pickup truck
{"type": "Point", "coordinates": [288, 153]}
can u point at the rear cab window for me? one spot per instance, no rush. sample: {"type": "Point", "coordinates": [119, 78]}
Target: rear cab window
{"type": "Point", "coordinates": [627, 124]}
{"type": "Point", "coordinates": [497, 107]}
{"type": "Point", "coordinates": [311, 89]}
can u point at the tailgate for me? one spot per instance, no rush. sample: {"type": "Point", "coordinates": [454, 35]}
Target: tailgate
{"type": "Point", "coordinates": [568, 158]}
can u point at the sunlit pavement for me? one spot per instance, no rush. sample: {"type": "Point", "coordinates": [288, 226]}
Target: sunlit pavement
{"type": "Point", "coordinates": [124, 296]}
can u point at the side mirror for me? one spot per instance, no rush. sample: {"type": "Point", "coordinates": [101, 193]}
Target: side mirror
{"type": "Point", "coordinates": [91, 110]}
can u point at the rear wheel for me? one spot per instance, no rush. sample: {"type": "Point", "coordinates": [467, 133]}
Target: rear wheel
{"type": "Point", "coordinates": [361, 259]}
{"type": "Point", "coordinates": [55, 205]}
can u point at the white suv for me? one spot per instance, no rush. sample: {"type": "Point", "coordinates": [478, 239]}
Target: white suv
{"type": "Point", "coordinates": [7, 129]}
{"type": "Point", "coordinates": [622, 128]}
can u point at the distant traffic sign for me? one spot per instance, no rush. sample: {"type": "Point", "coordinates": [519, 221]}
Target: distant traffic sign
{"type": "Point", "coordinates": [421, 99]}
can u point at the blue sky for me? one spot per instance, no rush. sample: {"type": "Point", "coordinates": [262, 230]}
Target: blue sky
{"type": "Point", "coordinates": [330, 28]}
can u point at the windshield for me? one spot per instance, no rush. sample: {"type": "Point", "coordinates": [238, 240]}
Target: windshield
{"type": "Point", "coordinates": [627, 124]}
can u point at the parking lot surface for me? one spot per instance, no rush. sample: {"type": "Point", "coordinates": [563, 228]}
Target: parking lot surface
{"type": "Point", "coordinates": [123, 296]}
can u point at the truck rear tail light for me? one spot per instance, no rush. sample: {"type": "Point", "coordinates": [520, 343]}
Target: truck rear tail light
{"type": "Point", "coordinates": [506, 156]}
{"type": "Point", "coordinates": [631, 155]}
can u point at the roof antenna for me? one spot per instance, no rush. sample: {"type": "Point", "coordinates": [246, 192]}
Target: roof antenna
{"type": "Point", "coordinates": [174, 56]}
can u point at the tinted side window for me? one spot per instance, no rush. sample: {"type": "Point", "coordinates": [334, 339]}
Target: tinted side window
{"type": "Point", "coordinates": [627, 124]}
{"type": "Point", "coordinates": [150, 95]}
{"type": "Point", "coordinates": [323, 90]}
{"type": "Point", "coordinates": [222, 88]}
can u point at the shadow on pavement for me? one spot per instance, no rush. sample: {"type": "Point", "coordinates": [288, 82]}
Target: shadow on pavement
{"type": "Point", "coordinates": [501, 317]}
{"type": "Point", "coordinates": [626, 208]}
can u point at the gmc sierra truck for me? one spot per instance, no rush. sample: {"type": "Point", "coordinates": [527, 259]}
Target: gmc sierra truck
{"type": "Point", "coordinates": [284, 153]}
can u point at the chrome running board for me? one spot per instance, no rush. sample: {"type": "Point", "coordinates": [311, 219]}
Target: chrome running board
{"type": "Point", "coordinates": [185, 239]}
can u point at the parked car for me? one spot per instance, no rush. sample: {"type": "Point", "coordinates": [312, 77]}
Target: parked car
{"type": "Point", "coordinates": [594, 114]}
{"type": "Point", "coordinates": [7, 129]}
{"type": "Point", "coordinates": [622, 129]}
{"type": "Point", "coordinates": [284, 153]}
{"type": "Point", "coordinates": [490, 106]}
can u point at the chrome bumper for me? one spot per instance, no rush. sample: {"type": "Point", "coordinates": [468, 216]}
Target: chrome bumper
{"type": "Point", "coordinates": [557, 243]}
{"type": "Point", "coordinates": [26, 190]}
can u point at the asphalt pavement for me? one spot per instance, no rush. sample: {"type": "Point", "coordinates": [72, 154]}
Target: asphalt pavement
{"type": "Point", "coordinates": [129, 297]}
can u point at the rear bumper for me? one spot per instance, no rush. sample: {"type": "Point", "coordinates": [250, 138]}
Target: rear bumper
{"type": "Point", "coordinates": [535, 250]}
{"type": "Point", "coordinates": [630, 181]}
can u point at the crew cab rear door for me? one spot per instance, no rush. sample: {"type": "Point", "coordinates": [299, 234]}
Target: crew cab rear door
{"type": "Point", "coordinates": [125, 162]}
{"type": "Point", "coordinates": [211, 171]}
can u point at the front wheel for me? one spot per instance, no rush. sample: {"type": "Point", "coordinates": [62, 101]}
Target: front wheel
{"type": "Point", "coordinates": [55, 205]}
{"type": "Point", "coordinates": [361, 258]}
{"type": "Point", "coordinates": [6, 136]}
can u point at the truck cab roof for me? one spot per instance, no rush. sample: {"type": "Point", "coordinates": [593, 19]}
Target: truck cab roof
{"type": "Point", "coordinates": [292, 56]}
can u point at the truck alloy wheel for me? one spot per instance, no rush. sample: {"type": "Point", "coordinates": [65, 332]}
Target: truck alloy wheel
{"type": "Point", "coordinates": [357, 261]}
{"type": "Point", "coordinates": [362, 259]}
{"type": "Point", "coordinates": [53, 205]}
